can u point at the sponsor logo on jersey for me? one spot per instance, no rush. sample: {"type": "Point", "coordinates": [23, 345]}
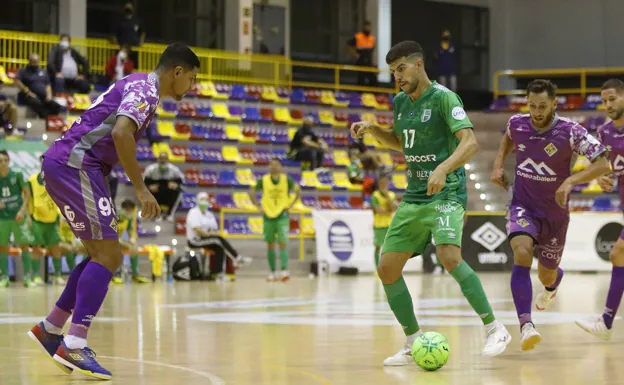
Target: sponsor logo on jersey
{"type": "Point", "coordinates": [113, 224]}
{"type": "Point", "coordinates": [426, 115]}
{"type": "Point", "coordinates": [420, 158]}
{"type": "Point", "coordinates": [536, 171]}
{"type": "Point", "coordinates": [618, 164]}
{"type": "Point", "coordinates": [445, 208]}
{"type": "Point", "coordinates": [458, 113]}
{"type": "Point", "coordinates": [399, 116]}
{"type": "Point", "coordinates": [78, 226]}
{"type": "Point", "coordinates": [550, 149]}
{"type": "Point", "coordinates": [421, 174]}
{"type": "Point", "coordinates": [521, 147]}
{"type": "Point", "coordinates": [522, 222]}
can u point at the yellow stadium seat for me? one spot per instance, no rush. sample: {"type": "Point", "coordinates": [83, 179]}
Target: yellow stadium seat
{"type": "Point", "coordinates": [291, 133]}
{"type": "Point", "coordinates": [524, 109]}
{"type": "Point", "coordinates": [256, 224]}
{"type": "Point", "coordinates": [327, 117]}
{"type": "Point", "coordinates": [245, 177]}
{"type": "Point", "coordinates": [601, 107]}
{"type": "Point", "coordinates": [581, 164]}
{"type": "Point", "coordinates": [309, 179]}
{"type": "Point", "coordinates": [70, 119]}
{"type": "Point", "coordinates": [307, 226]}
{"type": "Point", "coordinates": [166, 128]}
{"type": "Point", "coordinates": [242, 200]}
{"type": "Point", "coordinates": [207, 89]}
{"type": "Point", "coordinates": [282, 115]}
{"type": "Point", "coordinates": [231, 154]}
{"type": "Point", "coordinates": [82, 101]}
{"type": "Point", "coordinates": [386, 159]}
{"type": "Point", "coordinates": [400, 181]}
{"type": "Point", "coordinates": [369, 117]}
{"type": "Point", "coordinates": [220, 110]}
{"type": "Point", "coordinates": [233, 132]}
{"type": "Point", "coordinates": [299, 207]}
{"type": "Point", "coordinates": [593, 188]}
{"type": "Point", "coordinates": [341, 158]}
{"type": "Point", "coordinates": [341, 179]}
{"type": "Point", "coordinates": [4, 78]}
{"type": "Point", "coordinates": [164, 114]}
{"type": "Point", "coordinates": [159, 148]}
{"type": "Point", "coordinates": [368, 100]}
{"type": "Point", "coordinates": [269, 93]}
{"type": "Point", "coordinates": [328, 97]}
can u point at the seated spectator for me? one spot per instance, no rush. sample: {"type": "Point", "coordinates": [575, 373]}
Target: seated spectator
{"type": "Point", "coordinates": [35, 89]}
{"type": "Point", "coordinates": [164, 181]}
{"type": "Point", "coordinates": [119, 65]}
{"type": "Point", "coordinates": [8, 115]}
{"type": "Point", "coordinates": [306, 147]}
{"type": "Point", "coordinates": [202, 231]}
{"type": "Point", "coordinates": [68, 68]}
{"type": "Point", "coordinates": [356, 172]}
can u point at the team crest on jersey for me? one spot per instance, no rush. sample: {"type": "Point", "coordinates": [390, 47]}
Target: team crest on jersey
{"type": "Point", "coordinates": [412, 114]}
{"type": "Point", "coordinates": [141, 106]}
{"type": "Point", "coordinates": [522, 222]}
{"type": "Point", "coordinates": [550, 149]}
{"type": "Point", "coordinates": [113, 224]}
{"type": "Point", "coordinates": [426, 115]}
{"type": "Point", "coordinates": [13, 181]}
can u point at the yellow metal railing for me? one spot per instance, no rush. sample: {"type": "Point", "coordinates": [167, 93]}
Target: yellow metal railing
{"type": "Point", "coordinates": [301, 236]}
{"type": "Point", "coordinates": [581, 73]}
{"type": "Point", "coordinates": [218, 66]}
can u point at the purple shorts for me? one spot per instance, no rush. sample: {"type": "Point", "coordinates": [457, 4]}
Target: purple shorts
{"type": "Point", "coordinates": [84, 199]}
{"type": "Point", "coordinates": [549, 234]}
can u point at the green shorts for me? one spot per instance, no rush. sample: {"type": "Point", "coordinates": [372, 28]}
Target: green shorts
{"type": "Point", "coordinates": [46, 234]}
{"type": "Point", "coordinates": [414, 225]}
{"type": "Point", "coordinates": [380, 235]}
{"type": "Point", "coordinates": [279, 226]}
{"type": "Point", "coordinates": [21, 233]}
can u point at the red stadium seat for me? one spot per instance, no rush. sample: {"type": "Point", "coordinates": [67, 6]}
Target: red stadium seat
{"type": "Point", "coordinates": [357, 202]}
{"type": "Point", "coordinates": [183, 128]}
{"type": "Point", "coordinates": [180, 226]}
{"type": "Point", "coordinates": [294, 226]}
{"type": "Point", "coordinates": [326, 202]}
{"type": "Point", "coordinates": [191, 176]}
{"type": "Point", "coordinates": [266, 113]}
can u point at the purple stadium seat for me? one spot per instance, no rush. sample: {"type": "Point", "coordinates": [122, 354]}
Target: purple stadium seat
{"type": "Point", "coordinates": [251, 114]}
{"type": "Point", "coordinates": [592, 102]}
{"type": "Point", "coordinates": [216, 133]}
{"type": "Point", "coordinates": [355, 100]}
{"type": "Point", "coordinates": [258, 174]}
{"type": "Point", "coordinates": [602, 204]}
{"type": "Point", "coordinates": [309, 201]}
{"type": "Point", "coordinates": [208, 177]}
{"type": "Point", "coordinates": [156, 137]}
{"type": "Point", "coordinates": [263, 156]}
{"type": "Point", "coordinates": [238, 92]}
{"type": "Point", "coordinates": [328, 160]}
{"type": "Point", "coordinates": [187, 202]}
{"type": "Point", "coordinates": [295, 176]}
{"type": "Point", "coordinates": [195, 153]}
{"type": "Point", "coordinates": [169, 106]}
{"type": "Point", "coordinates": [341, 96]}
{"type": "Point", "coordinates": [354, 118]}
{"type": "Point", "coordinates": [199, 132]}
{"type": "Point", "coordinates": [227, 178]}
{"type": "Point", "coordinates": [225, 200]}
{"type": "Point", "coordinates": [283, 92]}
{"type": "Point", "coordinates": [280, 136]}
{"type": "Point", "coordinates": [579, 187]}
{"type": "Point", "coordinates": [203, 110]}
{"type": "Point", "coordinates": [265, 135]}
{"type": "Point", "coordinates": [326, 178]}
{"type": "Point", "coordinates": [314, 115]}
{"type": "Point", "coordinates": [298, 96]}
{"type": "Point", "coordinates": [212, 155]}
{"type": "Point", "coordinates": [342, 203]}
{"type": "Point", "coordinates": [236, 111]}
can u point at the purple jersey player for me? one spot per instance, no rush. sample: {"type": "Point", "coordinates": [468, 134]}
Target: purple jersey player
{"type": "Point", "coordinates": [74, 171]}
{"type": "Point", "coordinates": [546, 146]}
{"type": "Point", "coordinates": [612, 137]}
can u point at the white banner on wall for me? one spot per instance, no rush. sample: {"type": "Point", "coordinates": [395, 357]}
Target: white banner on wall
{"type": "Point", "coordinates": [344, 238]}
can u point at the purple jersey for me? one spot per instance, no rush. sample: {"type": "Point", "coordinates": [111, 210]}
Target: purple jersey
{"type": "Point", "coordinates": [89, 144]}
{"type": "Point", "coordinates": [613, 139]}
{"type": "Point", "coordinates": [544, 160]}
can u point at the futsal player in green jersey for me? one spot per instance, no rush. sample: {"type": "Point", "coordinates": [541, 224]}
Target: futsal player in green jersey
{"type": "Point", "coordinates": [433, 131]}
{"type": "Point", "coordinates": [13, 219]}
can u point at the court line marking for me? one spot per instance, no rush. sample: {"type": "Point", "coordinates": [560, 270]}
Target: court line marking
{"type": "Point", "coordinates": [213, 379]}
{"type": "Point", "coordinates": [316, 377]}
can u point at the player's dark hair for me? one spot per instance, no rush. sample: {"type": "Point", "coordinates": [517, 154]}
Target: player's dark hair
{"type": "Point", "coordinates": [367, 22]}
{"type": "Point", "coordinates": [178, 54]}
{"type": "Point", "coordinates": [615, 84]}
{"type": "Point", "coordinates": [64, 35]}
{"type": "Point", "coordinates": [128, 204]}
{"type": "Point", "coordinates": [538, 86]}
{"type": "Point", "coordinates": [5, 153]}
{"type": "Point", "coordinates": [405, 48]}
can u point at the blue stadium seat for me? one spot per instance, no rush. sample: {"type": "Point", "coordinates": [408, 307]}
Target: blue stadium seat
{"type": "Point", "coordinates": [238, 92]}
{"type": "Point", "coordinates": [187, 202]}
{"type": "Point", "coordinates": [355, 100]}
{"type": "Point", "coordinates": [199, 132]}
{"type": "Point", "coordinates": [212, 155]}
{"type": "Point", "coordinates": [298, 96]}
{"type": "Point", "coordinates": [251, 114]}
{"type": "Point", "coordinates": [225, 200]}
{"type": "Point", "coordinates": [296, 176]}
{"type": "Point", "coordinates": [227, 178]}
{"type": "Point", "coordinates": [203, 110]}
{"type": "Point", "coordinates": [195, 154]}
{"type": "Point", "coordinates": [354, 118]}
{"type": "Point", "coordinates": [216, 133]}
{"type": "Point", "coordinates": [208, 178]}
{"type": "Point", "coordinates": [342, 203]}
{"type": "Point", "coordinates": [602, 204]}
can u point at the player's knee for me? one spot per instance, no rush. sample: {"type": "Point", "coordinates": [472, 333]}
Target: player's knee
{"type": "Point", "coordinates": [387, 273]}
{"type": "Point", "coordinates": [523, 255]}
{"type": "Point", "coordinates": [449, 255]}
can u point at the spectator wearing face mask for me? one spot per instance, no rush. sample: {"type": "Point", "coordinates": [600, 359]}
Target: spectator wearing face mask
{"type": "Point", "coordinates": [68, 68]}
{"type": "Point", "coordinates": [35, 89]}
{"type": "Point", "coordinates": [164, 180]}
{"type": "Point", "coordinates": [119, 65]}
{"type": "Point", "coordinates": [362, 48]}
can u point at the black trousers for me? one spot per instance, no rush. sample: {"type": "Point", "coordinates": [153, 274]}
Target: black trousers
{"type": "Point", "coordinates": [313, 156]}
{"type": "Point", "coordinates": [168, 197]}
{"type": "Point", "coordinates": [219, 246]}
{"type": "Point", "coordinates": [41, 107]}
{"type": "Point", "coordinates": [81, 86]}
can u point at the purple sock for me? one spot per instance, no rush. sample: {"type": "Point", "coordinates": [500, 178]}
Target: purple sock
{"type": "Point", "coordinates": [91, 291]}
{"type": "Point", "coordinates": [615, 295]}
{"type": "Point", "coordinates": [67, 300]}
{"type": "Point", "coordinates": [58, 317]}
{"type": "Point", "coordinates": [553, 287]}
{"type": "Point", "coordinates": [522, 292]}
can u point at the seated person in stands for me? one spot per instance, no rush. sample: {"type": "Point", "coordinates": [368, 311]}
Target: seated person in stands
{"type": "Point", "coordinates": [8, 115]}
{"type": "Point", "coordinates": [306, 147]}
{"type": "Point", "coordinates": [68, 68]}
{"type": "Point", "coordinates": [356, 172]}
{"type": "Point", "coordinates": [127, 225]}
{"type": "Point", "coordinates": [119, 65]}
{"type": "Point", "coordinates": [35, 89]}
{"type": "Point", "coordinates": [202, 231]}
{"type": "Point", "coordinates": [164, 180]}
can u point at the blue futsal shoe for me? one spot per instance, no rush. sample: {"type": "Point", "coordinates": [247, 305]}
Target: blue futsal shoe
{"type": "Point", "coordinates": [49, 343]}
{"type": "Point", "coordinates": [82, 361]}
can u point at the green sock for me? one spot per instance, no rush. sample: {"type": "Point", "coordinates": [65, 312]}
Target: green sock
{"type": "Point", "coordinates": [36, 266]}
{"type": "Point", "coordinates": [272, 260]}
{"type": "Point", "coordinates": [400, 302]}
{"type": "Point", "coordinates": [284, 258]}
{"type": "Point", "coordinates": [27, 262]}
{"type": "Point", "coordinates": [376, 257]}
{"type": "Point", "coordinates": [134, 265]}
{"type": "Point", "coordinates": [473, 291]}
{"type": "Point", "coordinates": [58, 266]}
{"type": "Point", "coordinates": [4, 265]}
{"type": "Point", "coordinates": [71, 261]}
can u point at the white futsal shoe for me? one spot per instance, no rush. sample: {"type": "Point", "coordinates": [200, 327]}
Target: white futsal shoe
{"type": "Point", "coordinates": [496, 340]}
{"type": "Point", "coordinates": [530, 336]}
{"type": "Point", "coordinates": [544, 299]}
{"type": "Point", "coordinates": [404, 356]}
{"type": "Point", "coordinates": [596, 327]}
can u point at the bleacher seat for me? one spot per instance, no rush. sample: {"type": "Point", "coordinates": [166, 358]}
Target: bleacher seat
{"type": "Point", "coordinates": [266, 115]}
{"type": "Point", "coordinates": [208, 178]}
{"type": "Point", "coordinates": [326, 181]}
{"type": "Point", "coordinates": [191, 177]}
{"type": "Point", "coordinates": [326, 202]}
{"type": "Point", "coordinates": [167, 109]}
{"type": "Point", "coordinates": [313, 96]}
{"type": "Point", "coordinates": [212, 155]}
{"type": "Point", "coordinates": [231, 155]}
{"type": "Point", "coordinates": [187, 110]}
{"type": "Point", "coordinates": [238, 92]}
{"type": "Point", "coordinates": [383, 102]}
{"type": "Point", "coordinates": [282, 116]}
{"type": "Point", "coordinates": [207, 89]}
{"type": "Point", "coordinates": [251, 114]}
{"type": "Point", "coordinates": [242, 201]}
{"type": "Point", "coordinates": [355, 100]}
{"type": "Point", "coordinates": [180, 151]}
{"type": "Point", "coordinates": [269, 94]}
{"type": "Point", "coordinates": [329, 99]}
{"type": "Point", "coordinates": [4, 78]}
{"type": "Point", "coordinates": [159, 148]}
{"type": "Point", "coordinates": [245, 177]}
{"type": "Point", "coordinates": [187, 202]}
{"type": "Point", "coordinates": [226, 200]}
{"type": "Point", "coordinates": [342, 202]}
{"type": "Point", "coordinates": [227, 178]}
{"type": "Point", "coordinates": [307, 227]}
{"type": "Point", "coordinates": [341, 180]}
{"type": "Point", "coordinates": [356, 202]}
{"type": "Point", "coordinates": [180, 226]}
{"type": "Point", "coordinates": [298, 96]}
{"type": "Point", "coordinates": [167, 129]}
{"type": "Point", "coordinates": [220, 111]}
{"type": "Point", "coordinates": [341, 158]}
{"type": "Point", "coordinates": [256, 224]}
{"type": "Point", "coordinates": [398, 182]}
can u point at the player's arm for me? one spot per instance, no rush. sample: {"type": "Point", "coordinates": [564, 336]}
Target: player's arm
{"type": "Point", "coordinates": [26, 194]}
{"type": "Point", "coordinates": [123, 136]}
{"type": "Point", "coordinates": [504, 149]}
{"type": "Point", "coordinates": [253, 194]}
{"type": "Point", "coordinates": [385, 137]}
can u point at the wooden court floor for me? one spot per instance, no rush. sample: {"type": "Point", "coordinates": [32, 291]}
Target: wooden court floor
{"type": "Point", "coordinates": [329, 331]}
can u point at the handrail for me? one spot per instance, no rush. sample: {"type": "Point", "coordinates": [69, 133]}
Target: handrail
{"type": "Point", "coordinates": [300, 236]}
{"type": "Point", "coordinates": [582, 74]}
{"type": "Point", "coordinates": [216, 65]}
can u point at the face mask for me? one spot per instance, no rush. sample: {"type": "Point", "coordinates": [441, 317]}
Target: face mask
{"type": "Point", "coordinates": [122, 55]}
{"type": "Point", "coordinates": [162, 167]}
{"type": "Point", "coordinates": [64, 44]}
{"type": "Point", "coordinates": [203, 205]}
{"type": "Point", "coordinates": [129, 12]}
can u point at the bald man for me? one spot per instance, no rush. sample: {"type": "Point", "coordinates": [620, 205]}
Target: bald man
{"type": "Point", "coordinates": [35, 89]}
{"type": "Point", "coordinates": [307, 147]}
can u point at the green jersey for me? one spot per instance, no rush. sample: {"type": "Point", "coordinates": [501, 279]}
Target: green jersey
{"type": "Point", "coordinates": [427, 128]}
{"type": "Point", "coordinates": [11, 194]}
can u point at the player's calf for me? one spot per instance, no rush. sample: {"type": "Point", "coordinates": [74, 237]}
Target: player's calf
{"type": "Point", "coordinates": [550, 278]}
